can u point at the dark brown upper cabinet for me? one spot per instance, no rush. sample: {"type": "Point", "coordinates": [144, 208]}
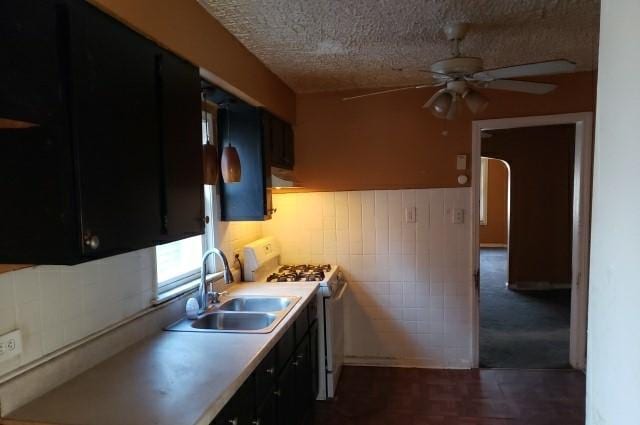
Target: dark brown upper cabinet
{"type": "Point", "coordinates": [245, 127]}
{"type": "Point", "coordinates": [281, 141]}
{"type": "Point", "coordinates": [113, 161]}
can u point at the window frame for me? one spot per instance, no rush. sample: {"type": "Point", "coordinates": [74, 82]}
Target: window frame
{"type": "Point", "coordinates": [191, 279]}
{"type": "Point", "coordinates": [484, 189]}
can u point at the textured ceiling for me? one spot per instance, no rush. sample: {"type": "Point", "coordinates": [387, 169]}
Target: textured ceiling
{"type": "Point", "coordinates": [323, 45]}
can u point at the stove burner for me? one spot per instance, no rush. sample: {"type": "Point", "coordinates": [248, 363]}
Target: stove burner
{"type": "Point", "coordinates": [303, 268]}
{"type": "Point", "coordinates": [300, 272]}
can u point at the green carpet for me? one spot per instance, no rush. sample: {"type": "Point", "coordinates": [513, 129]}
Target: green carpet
{"type": "Point", "coordinates": [527, 330]}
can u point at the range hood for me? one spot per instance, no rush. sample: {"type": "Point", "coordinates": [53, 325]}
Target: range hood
{"type": "Point", "coordinates": [283, 178]}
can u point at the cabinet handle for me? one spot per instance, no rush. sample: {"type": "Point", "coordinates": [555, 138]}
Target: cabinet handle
{"type": "Point", "coordinates": [295, 363]}
{"type": "Point", "coordinates": [277, 393]}
{"type": "Point", "coordinates": [300, 356]}
{"type": "Point", "coordinates": [256, 422]}
{"type": "Point", "coordinates": [233, 421]}
{"type": "Point", "coordinates": [270, 371]}
{"type": "Point", "coordinates": [92, 242]}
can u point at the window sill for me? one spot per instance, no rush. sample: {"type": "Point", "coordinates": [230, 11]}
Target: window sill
{"type": "Point", "coordinates": [182, 289]}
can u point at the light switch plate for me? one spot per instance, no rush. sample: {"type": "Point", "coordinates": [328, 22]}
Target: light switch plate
{"type": "Point", "coordinates": [410, 215]}
{"type": "Point", "coordinates": [458, 216]}
{"type": "Point", "coordinates": [10, 345]}
{"type": "Point", "coordinates": [461, 162]}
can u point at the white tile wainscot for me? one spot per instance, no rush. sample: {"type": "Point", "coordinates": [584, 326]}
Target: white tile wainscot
{"type": "Point", "coordinates": [411, 283]}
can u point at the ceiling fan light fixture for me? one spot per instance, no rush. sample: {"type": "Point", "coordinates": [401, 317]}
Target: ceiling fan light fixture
{"type": "Point", "coordinates": [476, 102]}
{"type": "Point", "coordinates": [441, 104]}
{"type": "Point", "coordinates": [452, 112]}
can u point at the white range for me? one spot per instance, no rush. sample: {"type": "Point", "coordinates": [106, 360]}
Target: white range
{"type": "Point", "coordinates": [262, 264]}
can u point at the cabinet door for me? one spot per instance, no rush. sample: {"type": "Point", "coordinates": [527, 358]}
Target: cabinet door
{"type": "Point", "coordinates": [117, 138]}
{"type": "Point", "coordinates": [181, 138]}
{"type": "Point", "coordinates": [268, 412]}
{"type": "Point", "coordinates": [240, 410]}
{"type": "Point", "coordinates": [37, 220]}
{"type": "Point", "coordinates": [277, 142]}
{"type": "Point", "coordinates": [288, 152]}
{"type": "Point", "coordinates": [241, 124]}
{"type": "Point", "coordinates": [302, 364]}
{"type": "Point", "coordinates": [285, 348]}
{"type": "Point", "coordinates": [288, 412]}
{"type": "Point", "coordinates": [265, 375]}
{"type": "Point", "coordinates": [314, 359]}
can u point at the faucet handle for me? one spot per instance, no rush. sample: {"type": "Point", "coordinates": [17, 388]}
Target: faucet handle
{"type": "Point", "coordinates": [215, 296]}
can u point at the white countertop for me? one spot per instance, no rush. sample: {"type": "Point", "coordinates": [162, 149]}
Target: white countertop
{"type": "Point", "coordinates": [171, 378]}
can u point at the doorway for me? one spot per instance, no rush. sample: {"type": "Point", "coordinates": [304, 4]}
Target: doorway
{"type": "Point", "coordinates": [529, 292]}
{"type": "Point", "coordinates": [525, 303]}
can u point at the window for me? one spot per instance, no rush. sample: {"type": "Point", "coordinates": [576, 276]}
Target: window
{"type": "Point", "coordinates": [484, 189]}
{"type": "Point", "coordinates": [178, 263]}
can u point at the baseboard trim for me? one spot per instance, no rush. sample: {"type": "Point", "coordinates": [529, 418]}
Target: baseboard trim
{"type": "Point", "coordinates": [537, 286]}
{"type": "Point", "coordinates": [406, 363]}
{"type": "Point", "coordinates": [494, 245]}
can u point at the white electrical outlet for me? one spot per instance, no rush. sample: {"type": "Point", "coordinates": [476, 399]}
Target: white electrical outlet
{"type": "Point", "coordinates": [410, 215]}
{"type": "Point", "coordinates": [10, 345]}
{"type": "Point", "coordinates": [458, 216]}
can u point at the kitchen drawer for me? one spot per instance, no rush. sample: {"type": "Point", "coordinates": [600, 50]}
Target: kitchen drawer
{"type": "Point", "coordinates": [313, 309]}
{"type": "Point", "coordinates": [265, 376]}
{"type": "Point", "coordinates": [285, 348]}
{"type": "Point", "coordinates": [302, 325]}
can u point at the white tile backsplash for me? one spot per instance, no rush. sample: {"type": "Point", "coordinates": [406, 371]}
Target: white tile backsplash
{"type": "Point", "coordinates": [409, 302]}
{"type": "Point", "coordinates": [55, 306]}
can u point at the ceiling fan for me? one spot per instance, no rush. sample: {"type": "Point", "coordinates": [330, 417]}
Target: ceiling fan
{"type": "Point", "coordinates": [461, 74]}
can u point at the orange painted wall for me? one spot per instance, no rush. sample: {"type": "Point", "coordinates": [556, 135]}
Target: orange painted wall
{"type": "Point", "coordinates": [495, 229]}
{"type": "Point", "coordinates": [186, 28]}
{"type": "Point", "coordinates": [389, 141]}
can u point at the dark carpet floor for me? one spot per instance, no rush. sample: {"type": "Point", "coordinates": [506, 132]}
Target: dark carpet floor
{"type": "Point", "coordinates": [525, 330]}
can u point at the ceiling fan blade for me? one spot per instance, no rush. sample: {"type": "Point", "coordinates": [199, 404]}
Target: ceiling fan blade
{"type": "Point", "coordinates": [560, 66]}
{"type": "Point", "coordinates": [519, 86]}
{"type": "Point", "coordinates": [387, 91]}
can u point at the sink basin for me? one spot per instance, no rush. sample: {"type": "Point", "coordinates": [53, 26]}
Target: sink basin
{"type": "Point", "coordinates": [241, 314]}
{"type": "Point", "coordinates": [234, 321]}
{"type": "Point", "coordinates": [262, 304]}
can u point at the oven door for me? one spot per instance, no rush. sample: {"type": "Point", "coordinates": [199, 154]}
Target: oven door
{"type": "Point", "coordinates": [334, 337]}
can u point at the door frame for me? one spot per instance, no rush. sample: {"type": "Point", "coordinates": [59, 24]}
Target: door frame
{"type": "Point", "coordinates": [582, 180]}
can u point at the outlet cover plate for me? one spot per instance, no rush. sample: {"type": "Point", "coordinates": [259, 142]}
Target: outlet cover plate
{"type": "Point", "coordinates": [10, 345]}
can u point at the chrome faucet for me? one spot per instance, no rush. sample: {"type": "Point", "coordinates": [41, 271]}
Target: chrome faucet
{"type": "Point", "coordinates": [205, 295]}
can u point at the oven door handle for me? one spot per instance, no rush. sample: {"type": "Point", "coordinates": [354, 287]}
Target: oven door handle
{"type": "Point", "coordinates": [341, 293]}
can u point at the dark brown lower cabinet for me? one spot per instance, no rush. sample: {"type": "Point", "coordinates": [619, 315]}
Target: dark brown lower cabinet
{"type": "Point", "coordinates": [267, 413]}
{"type": "Point", "coordinates": [286, 392]}
{"type": "Point", "coordinates": [240, 409]}
{"type": "Point", "coordinates": [315, 360]}
{"type": "Point", "coordinates": [283, 395]}
{"type": "Point", "coordinates": [302, 364]}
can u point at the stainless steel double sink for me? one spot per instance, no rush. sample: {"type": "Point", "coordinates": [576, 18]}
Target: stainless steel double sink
{"type": "Point", "coordinates": [240, 314]}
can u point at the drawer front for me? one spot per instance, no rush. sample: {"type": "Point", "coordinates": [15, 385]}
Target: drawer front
{"type": "Point", "coordinates": [285, 347]}
{"type": "Point", "coordinates": [302, 325]}
{"type": "Point", "coordinates": [265, 376]}
{"type": "Point", "coordinates": [313, 309]}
